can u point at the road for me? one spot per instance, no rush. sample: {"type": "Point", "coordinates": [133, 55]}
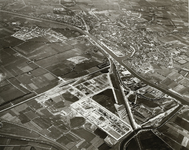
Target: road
{"type": "Point", "coordinates": [58, 86]}
{"type": "Point", "coordinates": [129, 112]}
{"type": "Point", "coordinates": [43, 139]}
{"type": "Point", "coordinates": [39, 20]}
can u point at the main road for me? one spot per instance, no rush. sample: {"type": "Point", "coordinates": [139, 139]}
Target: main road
{"type": "Point", "coordinates": [122, 98]}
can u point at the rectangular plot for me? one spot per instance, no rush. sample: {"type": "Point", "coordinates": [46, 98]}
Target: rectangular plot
{"type": "Point", "coordinates": [42, 52]}
{"type": "Point", "coordinates": [88, 136]}
{"type": "Point", "coordinates": [48, 61]}
{"type": "Point", "coordinates": [66, 139]}
{"type": "Point", "coordinates": [55, 133]}
{"type": "Point", "coordinates": [182, 123]}
{"type": "Point", "coordinates": [28, 47]}
{"type": "Point", "coordinates": [31, 115]}
{"type": "Point", "coordinates": [43, 123]}
{"type": "Point", "coordinates": [19, 85]}
{"type": "Point", "coordinates": [49, 76]}
{"type": "Point", "coordinates": [38, 72]}
{"type": "Point", "coordinates": [6, 90]}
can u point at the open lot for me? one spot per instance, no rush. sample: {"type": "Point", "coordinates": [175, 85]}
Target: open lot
{"type": "Point", "coordinates": [69, 97]}
{"type": "Point", "coordinates": [106, 99]}
{"type": "Point", "coordinates": [77, 122]}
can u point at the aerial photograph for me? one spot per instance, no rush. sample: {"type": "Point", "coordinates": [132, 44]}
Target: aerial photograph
{"type": "Point", "coordinates": [94, 74]}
